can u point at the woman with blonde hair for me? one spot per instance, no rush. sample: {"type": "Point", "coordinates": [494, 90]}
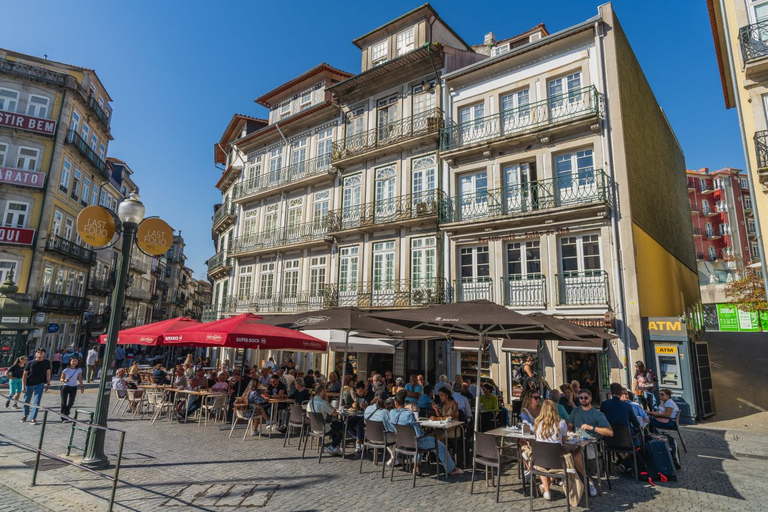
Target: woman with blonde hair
{"type": "Point", "coordinates": [550, 428]}
{"type": "Point", "coordinates": [531, 406]}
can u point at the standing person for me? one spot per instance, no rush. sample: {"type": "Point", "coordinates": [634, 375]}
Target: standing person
{"type": "Point", "coordinates": [14, 374]}
{"type": "Point", "coordinates": [119, 357]}
{"type": "Point", "coordinates": [56, 361]}
{"type": "Point", "coordinates": [70, 378]}
{"type": "Point", "coordinates": [90, 363]}
{"type": "Point", "coordinates": [528, 373]}
{"type": "Point", "coordinates": [644, 383]}
{"type": "Point", "coordinates": [35, 380]}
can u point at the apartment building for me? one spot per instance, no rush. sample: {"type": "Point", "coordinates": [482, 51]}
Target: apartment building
{"type": "Point", "coordinates": [740, 31]}
{"type": "Point", "coordinates": [517, 171]}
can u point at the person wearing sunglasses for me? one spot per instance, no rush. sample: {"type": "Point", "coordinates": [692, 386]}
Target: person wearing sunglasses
{"type": "Point", "coordinates": [589, 420]}
{"type": "Point", "coordinates": [531, 407]}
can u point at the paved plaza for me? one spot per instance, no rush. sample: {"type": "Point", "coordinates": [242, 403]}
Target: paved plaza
{"type": "Point", "coordinates": [186, 467]}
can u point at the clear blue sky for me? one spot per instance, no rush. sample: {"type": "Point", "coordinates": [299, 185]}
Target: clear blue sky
{"type": "Point", "coordinates": [178, 71]}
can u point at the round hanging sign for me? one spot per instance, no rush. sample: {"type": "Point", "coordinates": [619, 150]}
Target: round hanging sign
{"type": "Point", "coordinates": [154, 236]}
{"type": "Point", "coordinates": [96, 226]}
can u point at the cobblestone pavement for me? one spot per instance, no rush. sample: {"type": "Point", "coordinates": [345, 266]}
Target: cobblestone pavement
{"type": "Point", "coordinates": [186, 467]}
{"type": "Point", "coordinates": [11, 500]}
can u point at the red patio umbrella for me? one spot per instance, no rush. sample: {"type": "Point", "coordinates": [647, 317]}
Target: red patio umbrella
{"type": "Point", "coordinates": [151, 334]}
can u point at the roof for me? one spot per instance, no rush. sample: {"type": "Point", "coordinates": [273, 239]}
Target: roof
{"type": "Point", "coordinates": [219, 155]}
{"type": "Point", "coordinates": [585, 25]}
{"type": "Point", "coordinates": [263, 99]}
{"type": "Point", "coordinates": [521, 34]}
{"type": "Point", "coordinates": [359, 41]}
{"type": "Point", "coordinates": [719, 52]}
{"type": "Point", "coordinates": [288, 120]}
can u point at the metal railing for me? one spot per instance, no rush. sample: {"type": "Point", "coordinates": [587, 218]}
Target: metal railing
{"type": "Point", "coordinates": [421, 205]}
{"type": "Point", "coordinates": [138, 294]}
{"type": "Point", "coordinates": [696, 231]}
{"type": "Point", "coordinates": [98, 285]}
{"type": "Point", "coordinates": [589, 186]}
{"type": "Point", "coordinates": [589, 287]}
{"type": "Point", "coordinates": [219, 261]}
{"type": "Point", "coordinates": [225, 210]}
{"type": "Point", "coordinates": [524, 290]}
{"type": "Point", "coordinates": [287, 174]}
{"type": "Point", "coordinates": [89, 154]}
{"type": "Point", "coordinates": [761, 150]}
{"type": "Point", "coordinates": [101, 114]}
{"type": "Point", "coordinates": [69, 248]}
{"type": "Point", "coordinates": [278, 237]}
{"type": "Point", "coordinates": [385, 135]}
{"type": "Point", "coordinates": [474, 288]}
{"type": "Point", "coordinates": [139, 266]}
{"type": "Point", "coordinates": [699, 256]}
{"type": "Point", "coordinates": [754, 40]}
{"type": "Point", "coordinates": [582, 102]}
{"type": "Point", "coordinates": [61, 302]}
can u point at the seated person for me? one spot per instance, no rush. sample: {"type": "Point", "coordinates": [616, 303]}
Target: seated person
{"type": "Point", "coordinates": [590, 421]}
{"type": "Point", "coordinates": [490, 407]}
{"type": "Point", "coordinates": [531, 406]}
{"type": "Point", "coordinates": [180, 380]}
{"type": "Point", "coordinates": [159, 376]}
{"type": "Point", "coordinates": [465, 407]}
{"type": "Point", "coordinates": [427, 398]}
{"type": "Point", "coordinates": [334, 385]}
{"type": "Point", "coordinates": [335, 429]}
{"type": "Point", "coordinates": [300, 393]}
{"type": "Point", "coordinates": [377, 411]}
{"type": "Point", "coordinates": [356, 424]}
{"type": "Point", "coordinates": [467, 394]}
{"type": "Point", "coordinates": [309, 379]}
{"type": "Point", "coordinates": [640, 413]}
{"type": "Point", "coordinates": [413, 390]}
{"type": "Point", "coordinates": [442, 382]}
{"type": "Point", "coordinates": [251, 403]}
{"type": "Point", "coordinates": [221, 385]}
{"type": "Point", "coordinates": [666, 416]}
{"type": "Point", "coordinates": [275, 390]}
{"type": "Point", "coordinates": [448, 409]}
{"type": "Point", "coordinates": [554, 395]}
{"type": "Point", "coordinates": [567, 398]}
{"type": "Point", "coordinates": [402, 416]}
{"type": "Point", "coordinates": [399, 385]}
{"type": "Point", "coordinates": [620, 414]}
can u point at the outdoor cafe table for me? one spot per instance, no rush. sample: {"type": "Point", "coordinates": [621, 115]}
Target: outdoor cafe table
{"type": "Point", "coordinates": [576, 442]}
{"type": "Point", "coordinates": [445, 426]}
{"type": "Point", "coordinates": [190, 392]}
{"type": "Point", "coordinates": [273, 410]}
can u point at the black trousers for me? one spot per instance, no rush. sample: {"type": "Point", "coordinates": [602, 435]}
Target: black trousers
{"type": "Point", "coordinates": [68, 394]}
{"type": "Point", "coordinates": [55, 367]}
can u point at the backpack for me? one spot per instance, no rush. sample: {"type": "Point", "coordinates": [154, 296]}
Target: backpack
{"type": "Point", "coordinates": [518, 375]}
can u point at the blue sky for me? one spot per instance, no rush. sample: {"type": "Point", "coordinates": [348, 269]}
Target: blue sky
{"type": "Point", "coordinates": [177, 71]}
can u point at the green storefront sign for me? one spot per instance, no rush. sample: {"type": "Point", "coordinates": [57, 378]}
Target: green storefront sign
{"type": "Point", "coordinates": [730, 318]}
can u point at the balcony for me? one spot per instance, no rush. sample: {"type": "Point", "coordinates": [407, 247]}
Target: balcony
{"type": "Point", "coordinates": [696, 231]}
{"type": "Point", "coordinates": [590, 187]}
{"type": "Point", "coordinates": [422, 207]}
{"type": "Point", "coordinates": [138, 294]}
{"type": "Point", "coordinates": [98, 286]}
{"type": "Point", "coordinates": [587, 288]}
{"type": "Point", "coordinates": [101, 114]}
{"type": "Point", "coordinates": [524, 290]}
{"type": "Point", "coordinates": [706, 187]}
{"type": "Point", "coordinates": [299, 173]}
{"type": "Point", "coordinates": [754, 47]}
{"type": "Point", "coordinates": [711, 235]}
{"type": "Point", "coordinates": [761, 153]}
{"type": "Point", "coordinates": [700, 256]}
{"type": "Point", "coordinates": [210, 313]}
{"type": "Point", "coordinates": [695, 208]}
{"type": "Point", "coordinates": [751, 231]}
{"type": "Point", "coordinates": [48, 301]}
{"type": "Point", "coordinates": [708, 212]}
{"type": "Point", "coordinates": [369, 144]}
{"type": "Point", "coordinates": [576, 106]}
{"type": "Point", "coordinates": [224, 217]}
{"type": "Point", "coordinates": [479, 288]}
{"type": "Point", "coordinates": [139, 266]}
{"type": "Point", "coordinates": [89, 154]}
{"type": "Point", "coordinates": [293, 235]}
{"type": "Point", "coordinates": [98, 322]}
{"type": "Point", "coordinates": [691, 184]}
{"type": "Point", "coordinates": [158, 314]}
{"type": "Point", "coordinates": [70, 249]}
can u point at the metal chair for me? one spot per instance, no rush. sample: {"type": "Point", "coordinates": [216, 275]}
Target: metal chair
{"type": "Point", "coordinates": [622, 442]}
{"type": "Point", "coordinates": [240, 414]}
{"type": "Point", "coordinates": [377, 438]}
{"type": "Point", "coordinates": [407, 444]}
{"type": "Point", "coordinates": [160, 404]}
{"type": "Point", "coordinates": [120, 397]}
{"type": "Point", "coordinates": [489, 453]}
{"type": "Point", "coordinates": [296, 420]}
{"type": "Point", "coordinates": [548, 457]}
{"type": "Point", "coordinates": [316, 430]}
{"type": "Point", "coordinates": [138, 402]}
{"type": "Point", "coordinates": [514, 416]}
{"type": "Point", "coordinates": [671, 426]}
{"type": "Point", "coordinates": [215, 406]}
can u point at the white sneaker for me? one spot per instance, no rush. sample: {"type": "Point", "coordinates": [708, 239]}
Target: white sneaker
{"type": "Point", "coordinates": [397, 462]}
{"type": "Point", "coordinates": [527, 476]}
{"type": "Point", "coordinates": [358, 448]}
{"type": "Point", "coordinates": [592, 489]}
{"type": "Point", "coordinates": [330, 451]}
{"type": "Point", "coordinates": [547, 496]}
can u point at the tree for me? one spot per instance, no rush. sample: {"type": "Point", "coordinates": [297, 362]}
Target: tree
{"type": "Point", "coordinates": [748, 294]}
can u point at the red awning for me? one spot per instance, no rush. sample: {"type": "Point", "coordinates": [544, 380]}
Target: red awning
{"type": "Point", "coordinates": [245, 331]}
{"type": "Point", "coordinates": [151, 334]}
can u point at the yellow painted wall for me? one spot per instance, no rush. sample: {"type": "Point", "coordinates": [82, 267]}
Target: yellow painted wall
{"type": "Point", "coordinates": [666, 287]}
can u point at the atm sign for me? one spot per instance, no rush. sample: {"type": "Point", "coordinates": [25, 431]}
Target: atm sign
{"type": "Point", "coordinates": [666, 328]}
{"type": "Point", "coordinates": [666, 350]}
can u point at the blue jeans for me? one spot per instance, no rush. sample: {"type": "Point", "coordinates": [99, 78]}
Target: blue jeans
{"type": "Point", "coordinates": [649, 398]}
{"type": "Point", "coordinates": [37, 391]}
{"type": "Point", "coordinates": [657, 424]}
{"type": "Point", "coordinates": [442, 453]}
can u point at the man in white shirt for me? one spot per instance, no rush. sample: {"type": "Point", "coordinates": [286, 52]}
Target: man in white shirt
{"type": "Point", "coordinates": [640, 413]}
{"type": "Point", "coordinates": [90, 363]}
{"type": "Point", "coordinates": [335, 429]}
{"type": "Point", "coordinates": [462, 401]}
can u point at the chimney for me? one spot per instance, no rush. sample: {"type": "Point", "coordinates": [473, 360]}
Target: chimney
{"type": "Point", "coordinates": [489, 39]}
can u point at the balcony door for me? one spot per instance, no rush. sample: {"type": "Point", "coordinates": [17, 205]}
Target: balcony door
{"type": "Point", "coordinates": [271, 222]}
{"type": "Point", "coordinates": [524, 286]}
{"type": "Point", "coordinates": [266, 286]}
{"type": "Point", "coordinates": [351, 197]}
{"type": "Point", "coordinates": [472, 124]}
{"type": "Point", "coordinates": [290, 291]}
{"type": "Point", "coordinates": [383, 288]}
{"type": "Point", "coordinates": [244, 287]}
{"type": "Point", "coordinates": [324, 147]}
{"type": "Point", "coordinates": [385, 209]}
{"type": "Point", "coordinates": [519, 187]}
{"type": "Point", "coordinates": [293, 232]}
{"type": "Point", "coordinates": [423, 271]}
{"type": "Point", "coordinates": [354, 130]}
{"type": "Point", "coordinates": [349, 265]}
{"type": "Point", "coordinates": [275, 166]}
{"type": "Point", "coordinates": [424, 185]}
{"type": "Point", "coordinates": [320, 206]}
{"type": "Point", "coordinates": [317, 286]}
{"type": "Point", "coordinates": [565, 97]}
{"type": "Point", "coordinates": [474, 273]}
{"type": "Point", "coordinates": [473, 195]}
{"type": "Point", "coordinates": [298, 160]}
{"type": "Point", "coordinates": [423, 106]}
{"type": "Point", "coordinates": [386, 119]}
{"type": "Point", "coordinates": [583, 279]}
{"type": "Point", "coordinates": [515, 111]}
{"type": "Point", "coordinates": [575, 178]}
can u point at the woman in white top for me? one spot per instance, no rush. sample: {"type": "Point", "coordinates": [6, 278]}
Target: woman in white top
{"type": "Point", "coordinates": [70, 378]}
{"type": "Point", "coordinates": [550, 428]}
{"type": "Point", "coordinates": [668, 411]}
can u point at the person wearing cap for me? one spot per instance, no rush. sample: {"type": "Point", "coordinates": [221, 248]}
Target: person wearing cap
{"type": "Point", "coordinates": [402, 416]}
{"type": "Point", "coordinates": [335, 429]}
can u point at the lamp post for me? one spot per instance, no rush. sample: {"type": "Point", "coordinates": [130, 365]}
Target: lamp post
{"type": "Point", "coordinates": [131, 213]}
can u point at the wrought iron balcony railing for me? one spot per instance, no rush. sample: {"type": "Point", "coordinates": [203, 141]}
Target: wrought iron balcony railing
{"type": "Point", "coordinates": [138, 293]}
{"type": "Point", "coordinates": [139, 266]}
{"type": "Point", "coordinates": [589, 186]}
{"type": "Point", "coordinates": [761, 151]}
{"type": "Point", "coordinates": [89, 154]}
{"type": "Point", "coordinates": [225, 212]}
{"type": "Point", "coordinates": [289, 174]}
{"type": "Point", "coordinates": [473, 288]}
{"type": "Point", "coordinates": [218, 262]}
{"type": "Point", "coordinates": [419, 206]}
{"type": "Point", "coordinates": [210, 313]}
{"type": "Point", "coordinates": [49, 301]}
{"type": "Point", "coordinates": [101, 113]}
{"type": "Point", "coordinates": [278, 237]}
{"type": "Point", "coordinates": [754, 40]}
{"type": "Point", "coordinates": [582, 102]}
{"type": "Point", "coordinates": [585, 288]}
{"type": "Point", "coordinates": [101, 286]}
{"type": "Point", "coordinates": [68, 248]}
{"type": "Point", "coordinates": [524, 290]}
{"type": "Point", "coordinates": [389, 134]}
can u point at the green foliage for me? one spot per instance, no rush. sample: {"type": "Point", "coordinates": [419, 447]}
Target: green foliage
{"type": "Point", "coordinates": [748, 293]}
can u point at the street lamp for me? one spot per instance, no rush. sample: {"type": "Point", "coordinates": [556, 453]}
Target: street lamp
{"type": "Point", "coordinates": [131, 213]}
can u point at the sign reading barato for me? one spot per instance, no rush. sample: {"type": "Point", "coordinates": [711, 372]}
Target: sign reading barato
{"type": "Point", "coordinates": [154, 236]}
{"type": "Point", "coordinates": [96, 226]}
{"type": "Point", "coordinates": [22, 177]}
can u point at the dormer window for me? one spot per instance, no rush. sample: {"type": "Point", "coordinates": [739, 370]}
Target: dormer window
{"type": "Point", "coordinates": [405, 42]}
{"type": "Point", "coordinates": [305, 100]}
{"type": "Point", "coordinates": [379, 52]}
{"type": "Point", "coordinates": [285, 109]}
{"type": "Point", "coordinates": [498, 50]}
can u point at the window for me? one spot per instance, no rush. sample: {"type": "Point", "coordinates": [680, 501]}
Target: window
{"type": "Point", "coordinates": [86, 191]}
{"type": "Point", "coordinates": [9, 100]}
{"type": "Point", "coordinates": [424, 184]}
{"type": "Point", "coordinates": [498, 50]}
{"type": "Point", "coordinates": [298, 157]}
{"type": "Point", "coordinates": [423, 100]}
{"type": "Point", "coordinates": [708, 230]}
{"type": "Point", "coordinates": [564, 91]}
{"type": "Point", "coordinates": [581, 254]}
{"type": "Point", "coordinates": [320, 206]}
{"type": "Point", "coordinates": [748, 202]}
{"type": "Point", "coordinates": [94, 142]}
{"type": "Point", "coordinates": [94, 195]}
{"type": "Point", "coordinates": [285, 109]}
{"type": "Point", "coordinates": [3, 152]}
{"type": "Point", "coordinates": [383, 273]}
{"type": "Point", "coordinates": [755, 250]}
{"type": "Point", "coordinates": [27, 159]}
{"type": "Point", "coordinates": [102, 151]}
{"type": "Point", "coordinates": [167, 272]}
{"type": "Point", "coordinates": [295, 216]}
{"type": "Point", "coordinates": [354, 138]}
{"type": "Point", "coordinates": [266, 280]}
{"type": "Point", "coordinates": [305, 100]}
{"type": "Point", "coordinates": [379, 52]}
{"type": "Point", "coordinates": [59, 284]}
{"type": "Point", "coordinates": [575, 175]}
{"type": "Point", "coordinates": [7, 270]}
{"type": "Point", "coordinates": [77, 178]}
{"type": "Point", "coordinates": [245, 283]}
{"type": "Point", "coordinates": [80, 284]}
{"type": "Point", "coordinates": [385, 197]}
{"type": "Point", "coordinates": [291, 280]}
{"type": "Point", "coordinates": [523, 259]}
{"type": "Point", "coordinates": [317, 267]}
{"type": "Point", "coordinates": [423, 263]}
{"type": "Point", "coordinates": [69, 228]}
{"type": "Point", "coordinates": [15, 214]}
{"type": "Point", "coordinates": [474, 273]}
{"type": "Point", "coordinates": [37, 106]}
{"type": "Point", "coordinates": [582, 280]}
{"type": "Point", "coordinates": [275, 164]}
{"type": "Point", "coordinates": [386, 118]}
{"type": "Point", "coordinates": [712, 253]}
{"type": "Point", "coordinates": [471, 123]}
{"type": "Point", "coordinates": [45, 284]}
{"type": "Point", "coordinates": [74, 124]}
{"type": "Point", "coordinates": [58, 220]}
{"type": "Point", "coordinates": [405, 41]}
{"type": "Point", "coordinates": [85, 132]}
{"type": "Point", "coordinates": [751, 226]}
{"type": "Point", "coordinates": [70, 287]}
{"type": "Point", "coordinates": [515, 112]}
{"type": "Point", "coordinates": [351, 198]}
{"type": "Point", "coordinates": [348, 269]}
{"type": "Point", "coordinates": [473, 191]}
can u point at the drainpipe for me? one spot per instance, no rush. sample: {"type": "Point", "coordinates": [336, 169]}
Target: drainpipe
{"type": "Point", "coordinates": [750, 181]}
{"type": "Point", "coordinates": [617, 253]}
